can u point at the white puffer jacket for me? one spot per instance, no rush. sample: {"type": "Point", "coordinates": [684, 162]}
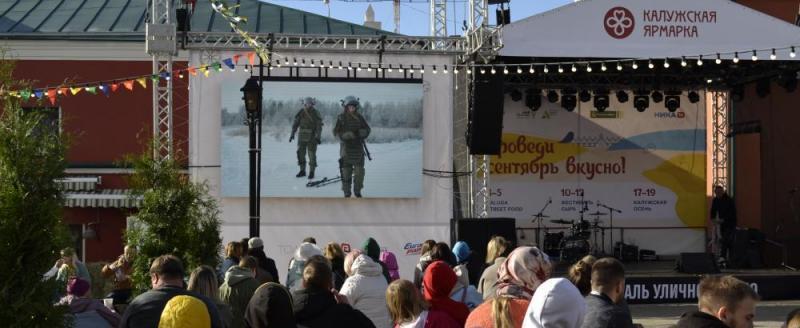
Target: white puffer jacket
{"type": "Point", "coordinates": [366, 291]}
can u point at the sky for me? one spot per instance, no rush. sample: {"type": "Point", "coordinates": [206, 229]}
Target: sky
{"type": "Point", "coordinates": [414, 16]}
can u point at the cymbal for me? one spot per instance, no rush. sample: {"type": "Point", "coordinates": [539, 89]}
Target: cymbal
{"type": "Point", "coordinates": [598, 213]}
{"type": "Point", "coordinates": [561, 221]}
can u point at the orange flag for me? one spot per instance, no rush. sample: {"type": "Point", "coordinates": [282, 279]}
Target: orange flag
{"type": "Point", "coordinates": [128, 84]}
{"type": "Point", "coordinates": [236, 58]}
{"type": "Point", "coordinates": [51, 93]}
{"type": "Point", "coordinates": [114, 86]}
{"type": "Point", "coordinates": [192, 70]}
{"type": "Point", "coordinates": [251, 56]}
{"type": "Point", "coordinates": [64, 91]}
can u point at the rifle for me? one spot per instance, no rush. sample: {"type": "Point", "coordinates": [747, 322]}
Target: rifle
{"type": "Point", "coordinates": [366, 150]}
{"type": "Point", "coordinates": [323, 182]}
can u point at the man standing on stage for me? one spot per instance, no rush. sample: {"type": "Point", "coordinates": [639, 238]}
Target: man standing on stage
{"type": "Point", "coordinates": [351, 129]}
{"type": "Point", "coordinates": [309, 123]}
{"type": "Point", "coordinates": [723, 208]}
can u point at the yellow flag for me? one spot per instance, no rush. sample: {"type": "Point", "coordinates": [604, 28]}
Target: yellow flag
{"type": "Point", "coordinates": [75, 90]}
{"type": "Point", "coordinates": [143, 82]}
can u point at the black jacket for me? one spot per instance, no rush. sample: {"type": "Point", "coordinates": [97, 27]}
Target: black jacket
{"type": "Point", "coordinates": [727, 210]}
{"type": "Point", "coordinates": [145, 310]}
{"type": "Point", "coordinates": [265, 262]}
{"type": "Point", "coordinates": [318, 308]}
{"type": "Point", "coordinates": [601, 312]}
{"type": "Point", "coordinates": [697, 319]}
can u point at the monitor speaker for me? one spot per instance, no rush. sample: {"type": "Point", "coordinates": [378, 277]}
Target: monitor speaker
{"type": "Point", "coordinates": [697, 263]}
{"type": "Point", "coordinates": [485, 129]}
{"type": "Point", "coordinates": [477, 233]}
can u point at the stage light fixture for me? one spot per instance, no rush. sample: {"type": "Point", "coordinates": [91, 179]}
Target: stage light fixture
{"type": "Point", "coordinates": [552, 96]}
{"type": "Point", "coordinates": [737, 93]}
{"type": "Point", "coordinates": [622, 96]}
{"type": "Point", "coordinates": [531, 70]}
{"type": "Point", "coordinates": [569, 102]}
{"type": "Point", "coordinates": [584, 95]}
{"type": "Point", "coordinates": [533, 99]}
{"type": "Point", "coordinates": [574, 69]}
{"type": "Point", "coordinates": [493, 71]}
{"type": "Point", "coordinates": [560, 69]}
{"type": "Point", "coordinates": [516, 95]}
{"type": "Point", "coordinates": [650, 64]}
{"type": "Point", "coordinates": [603, 67]}
{"type": "Point", "coordinates": [773, 56]}
{"type": "Point", "coordinates": [657, 96]}
{"type": "Point", "coordinates": [619, 66]}
{"type": "Point", "coordinates": [683, 62]}
{"type": "Point", "coordinates": [755, 56]}
{"type": "Point", "coordinates": [700, 61]}
{"type": "Point", "coordinates": [641, 102]}
{"type": "Point", "coordinates": [673, 100]}
{"type": "Point", "coordinates": [718, 60]}
{"type": "Point", "coordinates": [635, 65]}
{"type": "Point", "coordinates": [693, 96]}
{"type": "Point", "coordinates": [666, 63]}
{"type": "Point", "coordinates": [601, 100]}
{"type": "Point", "coordinates": [588, 68]}
{"type": "Point", "coordinates": [763, 87]}
{"type": "Point", "coordinates": [519, 70]}
{"type": "Point", "coordinates": [505, 70]}
{"type": "Point", "coordinates": [792, 54]}
{"type": "Point", "coordinates": [735, 57]}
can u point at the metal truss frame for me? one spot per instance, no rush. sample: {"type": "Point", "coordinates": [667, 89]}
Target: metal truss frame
{"type": "Point", "coordinates": [161, 44]}
{"type": "Point", "coordinates": [329, 43]}
{"type": "Point", "coordinates": [720, 160]}
{"type": "Point", "coordinates": [438, 19]}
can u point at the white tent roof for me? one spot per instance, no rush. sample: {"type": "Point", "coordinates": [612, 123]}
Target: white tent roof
{"type": "Point", "coordinates": [649, 29]}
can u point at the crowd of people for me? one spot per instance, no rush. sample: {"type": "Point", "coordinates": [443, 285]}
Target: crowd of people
{"type": "Point", "coordinates": [325, 287]}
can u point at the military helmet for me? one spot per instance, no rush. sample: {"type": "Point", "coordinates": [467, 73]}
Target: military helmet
{"type": "Point", "coordinates": [350, 100]}
{"type": "Point", "coordinates": [309, 101]}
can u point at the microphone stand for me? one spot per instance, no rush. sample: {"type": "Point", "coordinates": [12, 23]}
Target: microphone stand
{"type": "Point", "coordinates": [611, 211]}
{"type": "Point", "coordinates": [539, 217]}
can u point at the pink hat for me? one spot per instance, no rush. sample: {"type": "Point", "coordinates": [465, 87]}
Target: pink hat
{"type": "Point", "coordinates": [77, 287]}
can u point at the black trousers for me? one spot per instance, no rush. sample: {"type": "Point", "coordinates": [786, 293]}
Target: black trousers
{"type": "Point", "coordinates": [727, 240]}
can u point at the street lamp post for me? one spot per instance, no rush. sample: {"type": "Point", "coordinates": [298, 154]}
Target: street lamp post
{"type": "Point", "coordinates": [252, 105]}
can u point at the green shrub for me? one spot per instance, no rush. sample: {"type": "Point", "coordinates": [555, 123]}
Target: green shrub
{"type": "Point", "coordinates": [31, 233]}
{"type": "Point", "coordinates": [176, 216]}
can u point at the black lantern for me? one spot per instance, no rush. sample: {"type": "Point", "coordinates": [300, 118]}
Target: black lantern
{"type": "Point", "coordinates": [252, 104]}
{"type": "Point", "coordinates": [252, 95]}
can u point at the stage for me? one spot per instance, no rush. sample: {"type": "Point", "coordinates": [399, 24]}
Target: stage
{"type": "Point", "coordinates": [650, 282]}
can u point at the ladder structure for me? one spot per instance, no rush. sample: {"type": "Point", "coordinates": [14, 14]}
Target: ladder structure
{"type": "Point", "coordinates": [161, 44]}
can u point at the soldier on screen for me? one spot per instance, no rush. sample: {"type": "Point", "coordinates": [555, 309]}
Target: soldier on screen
{"type": "Point", "coordinates": [351, 129]}
{"type": "Point", "coordinates": [309, 122]}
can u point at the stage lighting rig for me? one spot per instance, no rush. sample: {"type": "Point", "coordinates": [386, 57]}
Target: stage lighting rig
{"type": "Point", "coordinates": [693, 96]}
{"type": "Point", "coordinates": [673, 100]}
{"type": "Point", "coordinates": [641, 100]}
{"type": "Point", "coordinates": [552, 96]}
{"type": "Point", "coordinates": [657, 96]}
{"type": "Point", "coordinates": [568, 99]}
{"type": "Point", "coordinates": [622, 96]}
{"type": "Point", "coordinates": [533, 99]}
{"type": "Point", "coordinates": [601, 100]}
{"type": "Point", "coordinates": [584, 96]}
{"type": "Point", "coordinates": [516, 95]}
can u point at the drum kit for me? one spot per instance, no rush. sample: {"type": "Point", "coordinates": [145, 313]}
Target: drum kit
{"type": "Point", "coordinates": [582, 236]}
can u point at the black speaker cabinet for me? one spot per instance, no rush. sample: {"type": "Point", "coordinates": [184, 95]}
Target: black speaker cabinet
{"type": "Point", "coordinates": [485, 129]}
{"type": "Point", "coordinates": [476, 233]}
{"type": "Point", "coordinates": [697, 263]}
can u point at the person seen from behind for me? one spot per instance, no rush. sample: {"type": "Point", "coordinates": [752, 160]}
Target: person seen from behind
{"type": "Point", "coordinates": [722, 302]}
{"type": "Point", "coordinates": [437, 284]}
{"type": "Point", "coordinates": [237, 289]}
{"type": "Point", "coordinates": [495, 255]}
{"type": "Point", "coordinates": [557, 303]}
{"type": "Point", "coordinates": [603, 303]}
{"type": "Point", "coordinates": [408, 310]}
{"type": "Point", "coordinates": [203, 281]}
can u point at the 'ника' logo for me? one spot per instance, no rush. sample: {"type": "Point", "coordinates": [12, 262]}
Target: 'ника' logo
{"type": "Point", "coordinates": [619, 22]}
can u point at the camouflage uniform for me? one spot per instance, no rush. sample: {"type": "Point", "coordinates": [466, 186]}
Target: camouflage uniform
{"type": "Point", "coordinates": [351, 129]}
{"type": "Point", "coordinates": [309, 123]}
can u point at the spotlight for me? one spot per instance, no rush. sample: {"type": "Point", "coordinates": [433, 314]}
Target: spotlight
{"type": "Point", "coordinates": [516, 95]}
{"type": "Point", "coordinates": [693, 96]}
{"type": "Point", "coordinates": [657, 96]}
{"type": "Point", "coordinates": [622, 96]}
{"type": "Point", "coordinates": [641, 102]}
{"type": "Point", "coordinates": [584, 96]}
{"type": "Point", "coordinates": [673, 100]}
{"type": "Point", "coordinates": [552, 96]}
{"type": "Point", "coordinates": [700, 61]}
{"type": "Point", "coordinates": [737, 93]}
{"type": "Point", "coordinates": [601, 101]}
{"type": "Point", "coordinates": [762, 88]}
{"type": "Point", "coordinates": [789, 81]}
{"type": "Point", "coordinates": [533, 99]}
{"type": "Point", "coordinates": [569, 102]}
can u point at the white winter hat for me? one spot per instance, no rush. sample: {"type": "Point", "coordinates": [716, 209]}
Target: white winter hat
{"type": "Point", "coordinates": [255, 242]}
{"type": "Point", "coordinates": [305, 251]}
{"type": "Point", "coordinates": [557, 303]}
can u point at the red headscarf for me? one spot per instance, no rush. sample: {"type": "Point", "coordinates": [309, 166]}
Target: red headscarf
{"type": "Point", "coordinates": [436, 287]}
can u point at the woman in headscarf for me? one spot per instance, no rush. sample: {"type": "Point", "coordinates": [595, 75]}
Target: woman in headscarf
{"type": "Point", "coordinates": [437, 284]}
{"type": "Point", "coordinates": [270, 307]}
{"type": "Point", "coordinates": [517, 279]}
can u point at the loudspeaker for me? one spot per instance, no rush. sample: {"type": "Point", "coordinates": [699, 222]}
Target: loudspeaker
{"type": "Point", "coordinates": [697, 263]}
{"type": "Point", "coordinates": [485, 128]}
{"type": "Point", "coordinates": [477, 233]}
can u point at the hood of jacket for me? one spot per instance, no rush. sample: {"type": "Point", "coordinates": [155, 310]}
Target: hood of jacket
{"type": "Point", "coordinates": [372, 249]}
{"type": "Point", "coordinates": [311, 303]}
{"type": "Point", "coordinates": [237, 275]}
{"type": "Point", "coordinates": [438, 281]}
{"type": "Point", "coordinates": [80, 305]}
{"type": "Point", "coordinates": [462, 276]}
{"type": "Point", "coordinates": [270, 306]}
{"type": "Point", "coordinates": [185, 311]}
{"type": "Point", "coordinates": [556, 303]}
{"type": "Point", "coordinates": [365, 266]}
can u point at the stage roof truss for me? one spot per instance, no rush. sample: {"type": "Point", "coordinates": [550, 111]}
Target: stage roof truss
{"type": "Point", "coordinates": [330, 43]}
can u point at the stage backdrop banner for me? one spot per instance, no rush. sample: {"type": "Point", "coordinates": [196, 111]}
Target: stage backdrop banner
{"type": "Point", "coordinates": [649, 165]}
